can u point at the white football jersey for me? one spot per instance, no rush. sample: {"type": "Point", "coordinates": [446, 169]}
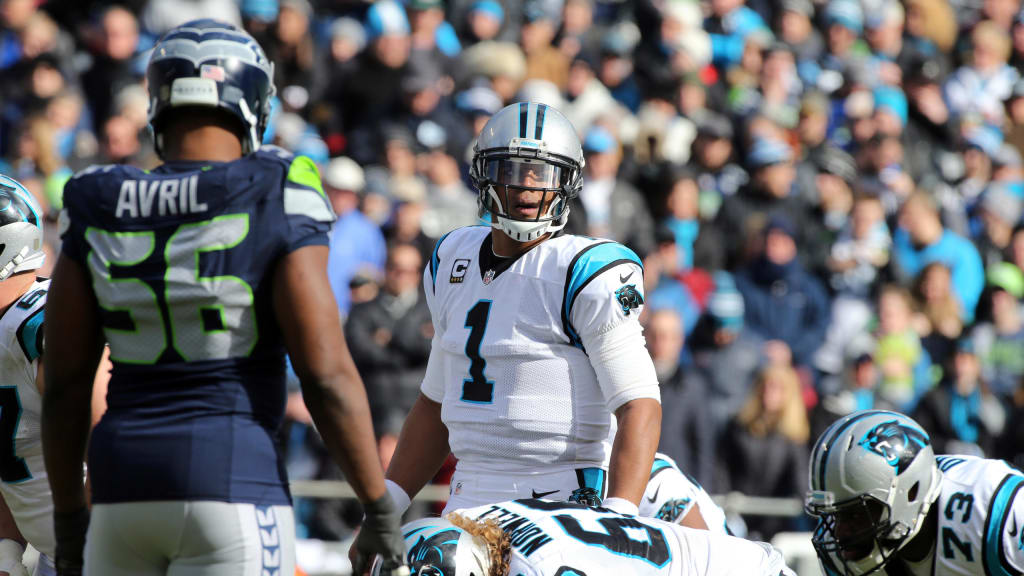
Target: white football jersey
{"type": "Point", "coordinates": [671, 494]}
{"type": "Point", "coordinates": [568, 539]}
{"type": "Point", "coordinates": [981, 518]}
{"type": "Point", "coordinates": [23, 481]}
{"type": "Point", "coordinates": [508, 362]}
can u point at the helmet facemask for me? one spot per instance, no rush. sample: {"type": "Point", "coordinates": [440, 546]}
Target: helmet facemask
{"type": "Point", "coordinates": [502, 175]}
{"type": "Point", "coordinates": [855, 537]}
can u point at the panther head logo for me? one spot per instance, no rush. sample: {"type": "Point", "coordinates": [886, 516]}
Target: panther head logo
{"type": "Point", "coordinates": [431, 552]}
{"type": "Point", "coordinates": [898, 443]}
{"type": "Point", "coordinates": [629, 298]}
{"type": "Point", "coordinates": [671, 511]}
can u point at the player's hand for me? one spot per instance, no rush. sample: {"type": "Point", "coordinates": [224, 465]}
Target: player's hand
{"type": "Point", "coordinates": [69, 529]}
{"type": "Point", "coordinates": [381, 533]}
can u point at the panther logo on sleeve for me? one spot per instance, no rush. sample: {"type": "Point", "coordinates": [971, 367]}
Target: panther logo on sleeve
{"type": "Point", "coordinates": [897, 443]}
{"type": "Point", "coordinates": [629, 298]}
{"type": "Point", "coordinates": [671, 511]}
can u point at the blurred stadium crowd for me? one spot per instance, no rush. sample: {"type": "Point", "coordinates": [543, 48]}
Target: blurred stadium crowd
{"type": "Point", "coordinates": [827, 194]}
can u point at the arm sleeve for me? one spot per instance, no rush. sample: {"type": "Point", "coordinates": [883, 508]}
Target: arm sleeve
{"type": "Point", "coordinates": [308, 212]}
{"type": "Point", "coordinates": [433, 378]}
{"type": "Point", "coordinates": [605, 314]}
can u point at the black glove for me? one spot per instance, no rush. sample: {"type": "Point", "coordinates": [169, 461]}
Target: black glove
{"type": "Point", "coordinates": [586, 496]}
{"type": "Point", "coordinates": [69, 528]}
{"type": "Point", "coordinates": [381, 533]}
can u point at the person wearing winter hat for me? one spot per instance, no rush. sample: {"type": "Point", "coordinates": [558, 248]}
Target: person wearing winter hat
{"type": "Point", "coordinates": [783, 302]}
{"type": "Point", "coordinates": [999, 211]}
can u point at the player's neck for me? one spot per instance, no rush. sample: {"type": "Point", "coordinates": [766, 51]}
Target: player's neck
{"type": "Point", "coordinates": [209, 143]}
{"type": "Point", "coordinates": [14, 288]}
{"type": "Point", "coordinates": [505, 247]}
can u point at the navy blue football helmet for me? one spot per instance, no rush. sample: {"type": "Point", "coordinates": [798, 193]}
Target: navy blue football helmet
{"type": "Point", "coordinates": [211, 63]}
{"type": "Point", "coordinates": [21, 229]}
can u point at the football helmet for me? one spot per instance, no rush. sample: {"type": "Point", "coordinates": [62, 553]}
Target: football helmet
{"type": "Point", "coordinates": [436, 547]}
{"type": "Point", "coordinates": [21, 229]}
{"type": "Point", "coordinates": [873, 478]}
{"type": "Point", "coordinates": [211, 63]}
{"type": "Point", "coordinates": [527, 146]}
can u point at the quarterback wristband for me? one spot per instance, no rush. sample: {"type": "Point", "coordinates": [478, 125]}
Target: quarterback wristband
{"type": "Point", "coordinates": [11, 552]}
{"type": "Point", "coordinates": [620, 505]}
{"type": "Point", "coordinates": [398, 496]}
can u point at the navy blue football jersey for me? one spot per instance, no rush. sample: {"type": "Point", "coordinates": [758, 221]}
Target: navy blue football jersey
{"type": "Point", "coordinates": [181, 260]}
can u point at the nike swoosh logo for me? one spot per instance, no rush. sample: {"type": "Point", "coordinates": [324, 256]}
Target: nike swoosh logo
{"type": "Point", "coordinates": [542, 494]}
{"type": "Point", "coordinates": [623, 279]}
{"type": "Point", "coordinates": [654, 498]}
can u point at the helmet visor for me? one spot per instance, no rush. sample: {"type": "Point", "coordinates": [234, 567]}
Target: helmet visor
{"type": "Point", "coordinates": [523, 173]}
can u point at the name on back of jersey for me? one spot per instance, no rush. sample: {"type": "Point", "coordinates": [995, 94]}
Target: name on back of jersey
{"type": "Point", "coordinates": [169, 197]}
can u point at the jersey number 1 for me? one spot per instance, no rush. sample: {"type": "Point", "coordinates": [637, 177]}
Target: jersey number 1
{"type": "Point", "coordinates": [477, 389]}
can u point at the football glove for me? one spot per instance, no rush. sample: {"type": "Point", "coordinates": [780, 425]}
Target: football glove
{"type": "Point", "coordinates": [381, 533]}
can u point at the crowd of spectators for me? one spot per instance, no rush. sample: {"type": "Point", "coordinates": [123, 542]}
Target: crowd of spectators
{"type": "Point", "coordinates": [827, 194]}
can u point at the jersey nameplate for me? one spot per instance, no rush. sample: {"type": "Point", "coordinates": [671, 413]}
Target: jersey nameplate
{"type": "Point", "coordinates": [171, 197]}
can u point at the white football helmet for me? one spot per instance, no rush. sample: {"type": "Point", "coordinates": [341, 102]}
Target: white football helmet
{"type": "Point", "coordinates": [21, 229]}
{"type": "Point", "coordinates": [436, 547]}
{"type": "Point", "coordinates": [873, 478]}
{"type": "Point", "coordinates": [527, 146]}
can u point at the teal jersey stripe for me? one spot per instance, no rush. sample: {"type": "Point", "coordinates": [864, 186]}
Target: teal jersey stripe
{"type": "Point", "coordinates": [659, 465]}
{"type": "Point", "coordinates": [994, 557]}
{"type": "Point", "coordinates": [586, 266]}
{"type": "Point", "coordinates": [30, 335]}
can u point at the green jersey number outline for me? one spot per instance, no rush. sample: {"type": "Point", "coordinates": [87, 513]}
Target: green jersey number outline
{"type": "Point", "coordinates": [209, 317]}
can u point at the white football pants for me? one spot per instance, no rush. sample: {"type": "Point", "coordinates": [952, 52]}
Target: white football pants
{"type": "Point", "coordinates": [190, 538]}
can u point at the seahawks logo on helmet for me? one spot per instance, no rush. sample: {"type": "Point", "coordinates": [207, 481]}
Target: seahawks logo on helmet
{"type": "Point", "coordinates": [432, 551]}
{"type": "Point", "coordinates": [671, 510]}
{"type": "Point", "coordinates": [629, 298]}
{"type": "Point", "coordinates": [898, 443]}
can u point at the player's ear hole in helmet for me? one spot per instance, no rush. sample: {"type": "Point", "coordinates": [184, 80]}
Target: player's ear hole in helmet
{"type": "Point", "coordinates": [527, 167]}
{"type": "Point", "coordinates": [21, 229]}
{"type": "Point", "coordinates": [873, 479]}
{"type": "Point", "coordinates": [214, 65]}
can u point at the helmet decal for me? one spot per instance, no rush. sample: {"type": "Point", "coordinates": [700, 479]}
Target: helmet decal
{"type": "Point", "coordinates": [898, 443]}
{"type": "Point", "coordinates": [432, 551]}
{"type": "Point", "coordinates": [14, 207]}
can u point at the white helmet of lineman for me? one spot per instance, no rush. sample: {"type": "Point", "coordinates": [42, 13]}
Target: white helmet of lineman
{"type": "Point", "coordinates": [873, 478]}
{"type": "Point", "coordinates": [527, 146]}
{"type": "Point", "coordinates": [21, 229]}
{"type": "Point", "coordinates": [436, 547]}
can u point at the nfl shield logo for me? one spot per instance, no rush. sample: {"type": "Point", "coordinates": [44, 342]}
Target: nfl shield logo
{"type": "Point", "coordinates": [488, 276]}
